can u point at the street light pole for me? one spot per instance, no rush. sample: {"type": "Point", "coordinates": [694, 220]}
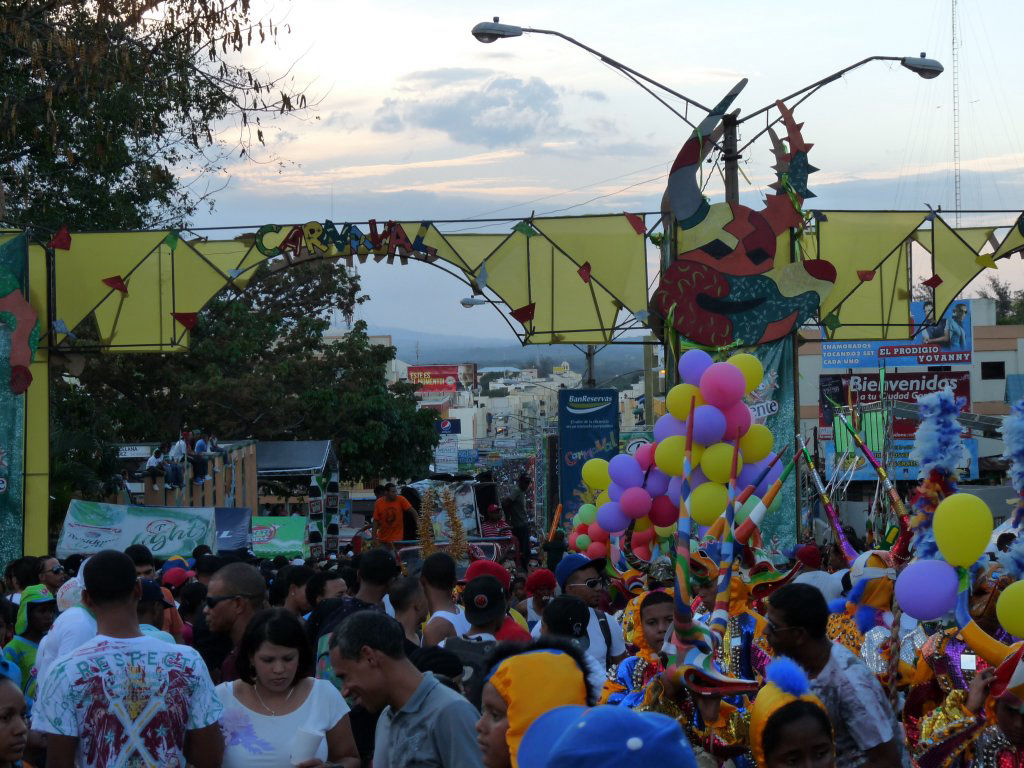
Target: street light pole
{"type": "Point", "coordinates": [731, 158]}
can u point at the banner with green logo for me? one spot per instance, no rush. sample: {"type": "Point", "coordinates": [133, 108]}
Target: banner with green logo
{"type": "Point", "coordinates": [91, 526]}
{"type": "Point", "coordinates": [273, 536]}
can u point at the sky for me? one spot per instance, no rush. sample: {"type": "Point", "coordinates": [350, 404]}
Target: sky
{"type": "Point", "coordinates": [414, 118]}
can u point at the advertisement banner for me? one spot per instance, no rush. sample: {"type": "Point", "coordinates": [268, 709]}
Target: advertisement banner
{"type": "Point", "coordinates": [950, 341]}
{"type": "Point", "coordinates": [588, 428]}
{"type": "Point", "coordinates": [898, 463]}
{"type": "Point", "coordinates": [772, 404]}
{"type": "Point", "coordinates": [864, 388]}
{"type": "Point", "coordinates": [91, 526]}
{"type": "Point", "coordinates": [630, 441]}
{"type": "Point", "coordinates": [443, 378]}
{"type": "Point", "coordinates": [448, 426]}
{"type": "Point", "coordinates": [232, 528]}
{"type": "Point", "coordinates": [273, 536]}
{"type": "Point", "coordinates": [446, 455]}
{"type": "Point", "coordinates": [14, 268]}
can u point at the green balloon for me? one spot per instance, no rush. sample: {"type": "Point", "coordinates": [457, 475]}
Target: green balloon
{"type": "Point", "coordinates": [587, 514]}
{"type": "Point", "coordinates": [582, 542]}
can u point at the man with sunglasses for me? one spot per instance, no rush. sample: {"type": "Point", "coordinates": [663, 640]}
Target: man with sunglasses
{"type": "Point", "coordinates": [584, 578]}
{"type": "Point", "coordinates": [237, 592]}
{"type": "Point", "coordinates": [51, 573]}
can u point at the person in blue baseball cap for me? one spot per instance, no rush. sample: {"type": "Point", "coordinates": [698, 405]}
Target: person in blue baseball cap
{"type": "Point", "coordinates": [584, 577]}
{"type": "Point", "coordinates": [606, 736]}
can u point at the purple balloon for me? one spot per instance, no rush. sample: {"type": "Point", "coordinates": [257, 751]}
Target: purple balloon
{"type": "Point", "coordinates": [625, 472]}
{"type": "Point", "coordinates": [747, 476]}
{"type": "Point", "coordinates": [708, 425]}
{"type": "Point", "coordinates": [692, 365]}
{"type": "Point", "coordinates": [611, 518]}
{"type": "Point", "coordinates": [697, 477]}
{"type": "Point", "coordinates": [657, 482]}
{"type": "Point", "coordinates": [675, 485]}
{"type": "Point", "coordinates": [773, 473]}
{"type": "Point", "coordinates": [614, 493]}
{"type": "Point", "coordinates": [668, 426]}
{"type": "Point", "coordinates": [927, 589]}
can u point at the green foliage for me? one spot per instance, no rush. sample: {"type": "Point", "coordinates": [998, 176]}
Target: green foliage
{"type": "Point", "coordinates": [1009, 303]}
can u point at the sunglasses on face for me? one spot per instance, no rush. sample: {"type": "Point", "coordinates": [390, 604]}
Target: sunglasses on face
{"type": "Point", "coordinates": [771, 629]}
{"type": "Point", "coordinates": [57, 570]}
{"type": "Point", "coordinates": [595, 583]}
{"type": "Point", "coordinates": [213, 602]}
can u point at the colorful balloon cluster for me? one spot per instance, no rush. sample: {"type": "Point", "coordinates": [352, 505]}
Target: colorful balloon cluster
{"type": "Point", "coordinates": [644, 489]}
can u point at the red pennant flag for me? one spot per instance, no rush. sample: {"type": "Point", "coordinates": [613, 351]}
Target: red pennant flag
{"type": "Point", "coordinates": [637, 223]}
{"type": "Point", "coordinates": [187, 319]}
{"type": "Point", "coordinates": [524, 314]}
{"type": "Point", "coordinates": [61, 241]}
{"type": "Point", "coordinates": [584, 272]}
{"type": "Point", "coordinates": [866, 275]}
{"type": "Point", "coordinates": [116, 282]}
{"type": "Point", "coordinates": [933, 282]}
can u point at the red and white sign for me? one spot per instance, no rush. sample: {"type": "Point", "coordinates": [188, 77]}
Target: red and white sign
{"type": "Point", "coordinates": [443, 378]}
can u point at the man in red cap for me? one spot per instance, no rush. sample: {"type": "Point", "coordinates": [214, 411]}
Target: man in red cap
{"type": "Point", "coordinates": [540, 588]}
{"type": "Point", "coordinates": [829, 584]}
{"type": "Point", "coordinates": [510, 631]}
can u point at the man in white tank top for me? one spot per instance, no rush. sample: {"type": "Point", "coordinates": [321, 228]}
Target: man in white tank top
{"type": "Point", "coordinates": [446, 618]}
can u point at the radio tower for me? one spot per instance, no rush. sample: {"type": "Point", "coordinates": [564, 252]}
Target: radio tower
{"type": "Point", "coordinates": [956, 116]}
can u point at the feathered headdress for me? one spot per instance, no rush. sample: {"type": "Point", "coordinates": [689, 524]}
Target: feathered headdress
{"type": "Point", "coordinates": [1013, 438]}
{"type": "Point", "coordinates": [785, 682]}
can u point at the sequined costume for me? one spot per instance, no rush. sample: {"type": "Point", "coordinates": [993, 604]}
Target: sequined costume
{"type": "Point", "coordinates": [954, 737]}
{"type": "Point", "coordinates": [626, 686]}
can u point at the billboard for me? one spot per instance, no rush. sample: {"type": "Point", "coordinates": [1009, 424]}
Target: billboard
{"type": "Point", "coordinates": [446, 455]}
{"type": "Point", "coordinates": [443, 378]}
{"type": "Point", "coordinates": [898, 464]}
{"type": "Point", "coordinates": [448, 426]}
{"type": "Point", "coordinates": [949, 341]}
{"type": "Point", "coordinates": [588, 428]}
{"type": "Point", "coordinates": [92, 526]}
{"type": "Point", "coordinates": [864, 388]}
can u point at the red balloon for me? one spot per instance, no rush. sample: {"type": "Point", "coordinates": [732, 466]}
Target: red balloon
{"type": "Point", "coordinates": [643, 538]}
{"type": "Point", "coordinates": [597, 533]}
{"type": "Point", "coordinates": [572, 540]}
{"type": "Point", "coordinates": [663, 512]}
{"type": "Point", "coordinates": [643, 552]}
{"type": "Point", "coordinates": [582, 528]}
{"type": "Point", "coordinates": [597, 549]}
{"type": "Point", "coordinates": [737, 421]}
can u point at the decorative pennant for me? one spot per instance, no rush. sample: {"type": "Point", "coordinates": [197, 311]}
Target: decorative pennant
{"type": "Point", "coordinates": [933, 282]}
{"type": "Point", "coordinates": [832, 322]}
{"type": "Point", "coordinates": [171, 241]}
{"type": "Point", "coordinates": [637, 222]}
{"type": "Point", "coordinates": [233, 273]}
{"type": "Point", "coordinates": [986, 261]}
{"type": "Point", "coordinates": [117, 283]}
{"type": "Point", "coordinates": [642, 316]}
{"type": "Point", "coordinates": [187, 319]}
{"type": "Point", "coordinates": [524, 314]}
{"type": "Point", "coordinates": [482, 277]}
{"type": "Point", "coordinates": [525, 228]}
{"type": "Point", "coordinates": [59, 326]}
{"type": "Point", "coordinates": [866, 275]}
{"type": "Point", "coordinates": [61, 241]}
{"type": "Point", "coordinates": [901, 293]}
{"type": "Point", "coordinates": [584, 272]}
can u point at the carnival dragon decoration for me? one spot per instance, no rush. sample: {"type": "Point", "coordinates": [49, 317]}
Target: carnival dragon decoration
{"type": "Point", "coordinates": [20, 319]}
{"type": "Point", "coordinates": [724, 286]}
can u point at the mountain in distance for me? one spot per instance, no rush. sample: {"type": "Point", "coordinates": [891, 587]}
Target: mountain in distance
{"type": "Point", "coordinates": [420, 347]}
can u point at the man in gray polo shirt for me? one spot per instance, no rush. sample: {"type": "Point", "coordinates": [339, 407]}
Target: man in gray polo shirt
{"type": "Point", "coordinates": [422, 722]}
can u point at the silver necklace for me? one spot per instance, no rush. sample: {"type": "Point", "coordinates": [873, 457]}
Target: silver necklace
{"type": "Point", "coordinates": [263, 704]}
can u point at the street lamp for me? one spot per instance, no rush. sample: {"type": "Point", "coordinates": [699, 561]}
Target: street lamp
{"type": "Point", "coordinates": [491, 31]}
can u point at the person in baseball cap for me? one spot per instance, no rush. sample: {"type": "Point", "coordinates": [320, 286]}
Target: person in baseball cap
{"type": "Point", "coordinates": [604, 737]}
{"type": "Point", "coordinates": [150, 610]}
{"type": "Point", "coordinates": [540, 588]}
{"type": "Point", "coordinates": [484, 604]}
{"type": "Point", "coordinates": [567, 616]}
{"type": "Point", "coordinates": [569, 564]}
{"type": "Point", "coordinates": [514, 627]}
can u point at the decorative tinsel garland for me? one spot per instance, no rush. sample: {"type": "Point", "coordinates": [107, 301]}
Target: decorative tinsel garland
{"type": "Point", "coordinates": [425, 524]}
{"type": "Point", "coordinates": [458, 547]}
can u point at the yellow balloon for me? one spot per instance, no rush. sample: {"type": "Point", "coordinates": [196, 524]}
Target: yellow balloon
{"type": "Point", "coordinates": [1010, 609]}
{"type": "Point", "coordinates": [595, 474]}
{"type": "Point", "coordinates": [678, 400]}
{"type": "Point", "coordinates": [716, 463]}
{"type": "Point", "coordinates": [963, 527]}
{"type": "Point", "coordinates": [751, 368]}
{"type": "Point", "coordinates": [757, 443]}
{"type": "Point", "coordinates": [665, 531]}
{"type": "Point", "coordinates": [696, 454]}
{"type": "Point", "coordinates": [707, 502]}
{"type": "Point", "coordinates": [642, 524]}
{"type": "Point", "coordinates": [669, 455]}
{"type": "Point", "coordinates": [602, 499]}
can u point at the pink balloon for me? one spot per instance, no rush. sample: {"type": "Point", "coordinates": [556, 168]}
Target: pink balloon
{"type": "Point", "coordinates": [668, 426]}
{"type": "Point", "coordinates": [643, 552]}
{"type": "Point", "coordinates": [597, 533]}
{"type": "Point", "coordinates": [663, 512]}
{"type": "Point", "coordinates": [722, 385]}
{"type": "Point", "coordinates": [657, 482]}
{"type": "Point", "coordinates": [643, 538]}
{"type": "Point", "coordinates": [635, 502]}
{"type": "Point", "coordinates": [645, 455]}
{"type": "Point", "coordinates": [572, 540]}
{"type": "Point", "coordinates": [737, 421]}
{"type": "Point", "coordinates": [597, 549]}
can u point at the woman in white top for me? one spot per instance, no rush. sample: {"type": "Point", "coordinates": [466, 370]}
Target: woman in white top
{"type": "Point", "coordinates": [274, 699]}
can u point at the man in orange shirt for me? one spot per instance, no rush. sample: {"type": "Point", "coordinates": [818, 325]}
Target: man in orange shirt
{"type": "Point", "coordinates": [388, 515]}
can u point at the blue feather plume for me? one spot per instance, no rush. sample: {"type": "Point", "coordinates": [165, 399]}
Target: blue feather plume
{"type": "Point", "coordinates": [788, 675]}
{"type": "Point", "coordinates": [866, 618]}
{"type": "Point", "coordinates": [1013, 438]}
{"type": "Point", "coordinates": [1013, 559]}
{"type": "Point", "coordinates": [937, 444]}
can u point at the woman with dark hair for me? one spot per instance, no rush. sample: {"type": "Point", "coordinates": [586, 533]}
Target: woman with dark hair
{"type": "Point", "coordinates": [788, 724]}
{"type": "Point", "coordinates": [274, 698]}
{"type": "Point", "coordinates": [525, 682]}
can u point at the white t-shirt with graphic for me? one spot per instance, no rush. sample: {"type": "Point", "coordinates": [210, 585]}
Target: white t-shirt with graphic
{"type": "Point", "coordinates": [127, 701]}
{"type": "Point", "coordinates": [260, 740]}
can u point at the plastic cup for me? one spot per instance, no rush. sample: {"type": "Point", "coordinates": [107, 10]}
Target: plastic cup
{"type": "Point", "coordinates": [305, 745]}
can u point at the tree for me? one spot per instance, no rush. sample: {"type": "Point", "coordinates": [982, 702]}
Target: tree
{"type": "Point", "coordinates": [1009, 303]}
{"type": "Point", "coordinates": [106, 106]}
{"type": "Point", "coordinates": [259, 367]}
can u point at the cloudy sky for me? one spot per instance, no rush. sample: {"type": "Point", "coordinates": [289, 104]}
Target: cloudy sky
{"type": "Point", "coordinates": [417, 119]}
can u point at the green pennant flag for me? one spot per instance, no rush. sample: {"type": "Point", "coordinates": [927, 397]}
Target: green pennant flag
{"type": "Point", "coordinates": [171, 241]}
{"type": "Point", "coordinates": [525, 228]}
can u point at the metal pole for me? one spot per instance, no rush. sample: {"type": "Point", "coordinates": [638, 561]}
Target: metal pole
{"type": "Point", "coordinates": [731, 159]}
{"type": "Point", "coordinates": [591, 383]}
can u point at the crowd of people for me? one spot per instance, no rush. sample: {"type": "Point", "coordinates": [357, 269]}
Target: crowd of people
{"type": "Point", "coordinates": [192, 448]}
{"type": "Point", "coordinates": [224, 660]}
